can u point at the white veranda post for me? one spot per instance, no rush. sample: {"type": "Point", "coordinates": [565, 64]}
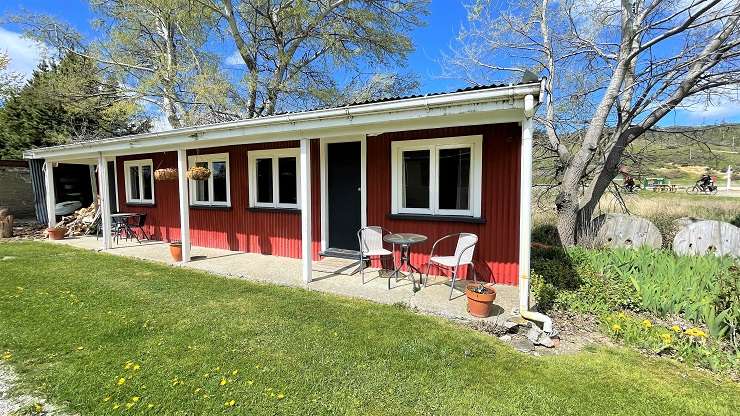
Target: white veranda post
{"type": "Point", "coordinates": [306, 254]}
{"type": "Point", "coordinates": [104, 201]}
{"type": "Point", "coordinates": [50, 194]}
{"type": "Point", "coordinates": [182, 167]}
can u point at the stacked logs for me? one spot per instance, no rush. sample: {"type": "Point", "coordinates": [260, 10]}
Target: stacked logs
{"type": "Point", "coordinates": [80, 221]}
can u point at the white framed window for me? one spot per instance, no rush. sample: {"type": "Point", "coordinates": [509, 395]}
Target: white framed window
{"type": "Point", "coordinates": [437, 176]}
{"type": "Point", "coordinates": [274, 178]}
{"type": "Point", "coordinates": [139, 180]}
{"type": "Point", "coordinates": [216, 190]}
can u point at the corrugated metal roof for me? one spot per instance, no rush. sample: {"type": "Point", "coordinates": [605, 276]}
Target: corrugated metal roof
{"type": "Point", "coordinates": [473, 88]}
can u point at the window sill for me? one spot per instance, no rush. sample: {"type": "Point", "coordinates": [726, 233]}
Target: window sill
{"type": "Point", "coordinates": [269, 209]}
{"type": "Point", "coordinates": [211, 207]}
{"type": "Point", "coordinates": [442, 218]}
{"type": "Point", "coordinates": [141, 204]}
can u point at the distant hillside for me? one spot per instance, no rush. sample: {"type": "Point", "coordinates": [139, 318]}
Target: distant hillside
{"type": "Point", "coordinates": [681, 154]}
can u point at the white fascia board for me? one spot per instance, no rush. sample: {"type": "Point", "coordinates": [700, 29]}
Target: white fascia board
{"type": "Point", "coordinates": [497, 105]}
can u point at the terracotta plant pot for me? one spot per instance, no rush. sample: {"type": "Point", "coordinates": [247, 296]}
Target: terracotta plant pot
{"type": "Point", "coordinates": [479, 304]}
{"type": "Point", "coordinates": [56, 233]}
{"type": "Point", "coordinates": [176, 250]}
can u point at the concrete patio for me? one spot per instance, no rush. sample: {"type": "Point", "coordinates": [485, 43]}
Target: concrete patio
{"type": "Point", "coordinates": [432, 299]}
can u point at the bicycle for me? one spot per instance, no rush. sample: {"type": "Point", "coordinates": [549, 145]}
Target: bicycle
{"type": "Point", "coordinates": [700, 188]}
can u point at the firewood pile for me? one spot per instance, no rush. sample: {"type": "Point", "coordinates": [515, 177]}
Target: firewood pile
{"type": "Point", "coordinates": [80, 221]}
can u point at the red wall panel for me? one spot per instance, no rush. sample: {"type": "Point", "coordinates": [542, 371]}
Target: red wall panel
{"type": "Point", "coordinates": [497, 251]}
{"type": "Point", "coordinates": [233, 228]}
{"type": "Point", "coordinates": [279, 232]}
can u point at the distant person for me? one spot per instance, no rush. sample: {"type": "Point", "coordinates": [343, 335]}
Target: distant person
{"type": "Point", "coordinates": [706, 182]}
{"type": "Point", "coordinates": [629, 184]}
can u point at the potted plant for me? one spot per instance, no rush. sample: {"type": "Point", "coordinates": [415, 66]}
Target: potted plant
{"type": "Point", "coordinates": [176, 250]}
{"type": "Point", "coordinates": [480, 298]}
{"type": "Point", "coordinates": [198, 173]}
{"type": "Point", "coordinates": [56, 233]}
{"type": "Point", "coordinates": [165, 174]}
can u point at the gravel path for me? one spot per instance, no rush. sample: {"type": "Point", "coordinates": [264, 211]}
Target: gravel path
{"type": "Point", "coordinates": [21, 405]}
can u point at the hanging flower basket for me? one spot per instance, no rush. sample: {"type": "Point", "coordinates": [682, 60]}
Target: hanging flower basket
{"type": "Point", "coordinates": [166, 174]}
{"type": "Point", "coordinates": [198, 173]}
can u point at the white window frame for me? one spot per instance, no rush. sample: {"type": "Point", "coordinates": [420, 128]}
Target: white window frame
{"type": "Point", "coordinates": [210, 158]}
{"type": "Point", "coordinates": [474, 143]}
{"type": "Point", "coordinates": [275, 155]}
{"type": "Point", "coordinates": [127, 180]}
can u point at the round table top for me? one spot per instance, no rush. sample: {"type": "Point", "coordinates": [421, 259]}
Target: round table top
{"type": "Point", "coordinates": [404, 238]}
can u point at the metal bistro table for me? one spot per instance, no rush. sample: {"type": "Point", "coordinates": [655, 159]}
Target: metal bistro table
{"type": "Point", "coordinates": [121, 223]}
{"type": "Point", "coordinates": [405, 241]}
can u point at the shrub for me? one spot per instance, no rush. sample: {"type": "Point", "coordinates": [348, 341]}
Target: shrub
{"type": "Point", "coordinates": [704, 290]}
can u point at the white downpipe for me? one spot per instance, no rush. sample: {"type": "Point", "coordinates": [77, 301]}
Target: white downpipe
{"type": "Point", "coordinates": [525, 220]}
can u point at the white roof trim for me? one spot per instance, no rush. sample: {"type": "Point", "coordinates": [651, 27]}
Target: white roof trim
{"type": "Point", "coordinates": [494, 105]}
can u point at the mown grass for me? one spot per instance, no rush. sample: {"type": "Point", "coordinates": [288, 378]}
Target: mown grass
{"type": "Point", "coordinates": [72, 320]}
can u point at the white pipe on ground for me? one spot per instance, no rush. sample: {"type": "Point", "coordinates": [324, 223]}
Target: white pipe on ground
{"type": "Point", "coordinates": [525, 219]}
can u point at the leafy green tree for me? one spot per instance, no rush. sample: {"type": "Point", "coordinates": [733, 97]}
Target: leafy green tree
{"type": "Point", "coordinates": [9, 81]}
{"type": "Point", "coordinates": [63, 102]}
{"type": "Point", "coordinates": [300, 53]}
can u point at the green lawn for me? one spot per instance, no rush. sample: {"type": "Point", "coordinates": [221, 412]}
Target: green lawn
{"type": "Point", "coordinates": [72, 320]}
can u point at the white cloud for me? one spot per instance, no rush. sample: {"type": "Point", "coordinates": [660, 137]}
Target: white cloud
{"type": "Point", "coordinates": [718, 108]}
{"type": "Point", "coordinates": [25, 54]}
{"type": "Point", "coordinates": [234, 59]}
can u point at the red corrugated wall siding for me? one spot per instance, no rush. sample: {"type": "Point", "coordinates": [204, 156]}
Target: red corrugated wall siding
{"type": "Point", "coordinates": [235, 228]}
{"type": "Point", "coordinates": [498, 248]}
{"type": "Point", "coordinates": [279, 233]}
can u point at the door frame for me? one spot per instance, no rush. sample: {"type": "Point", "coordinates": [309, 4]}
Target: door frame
{"type": "Point", "coordinates": [323, 143]}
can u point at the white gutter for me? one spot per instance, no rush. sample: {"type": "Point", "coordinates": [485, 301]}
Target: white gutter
{"type": "Point", "coordinates": [305, 124]}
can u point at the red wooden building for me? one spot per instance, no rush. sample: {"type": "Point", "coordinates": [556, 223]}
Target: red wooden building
{"type": "Point", "coordinates": [302, 184]}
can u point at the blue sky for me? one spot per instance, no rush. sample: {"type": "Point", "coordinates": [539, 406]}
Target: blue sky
{"type": "Point", "coordinates": [444, 21]}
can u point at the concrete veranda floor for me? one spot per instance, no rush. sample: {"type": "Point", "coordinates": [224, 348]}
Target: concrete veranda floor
{"type": "Point", "coordinates": [285, 271]}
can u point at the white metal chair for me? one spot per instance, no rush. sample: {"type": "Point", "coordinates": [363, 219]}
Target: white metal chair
{"type": "Point", "coordinates": [463, 256]}
{"type": "Point", "coordinates": [371, 246]}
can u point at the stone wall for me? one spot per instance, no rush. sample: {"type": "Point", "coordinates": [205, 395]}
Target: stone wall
{"type": "Point", "coordinates": [16, 192]}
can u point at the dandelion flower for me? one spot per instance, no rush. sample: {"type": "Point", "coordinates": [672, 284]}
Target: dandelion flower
{"type": "Point", "coordinates": [136, 367]}
{"type": "Point", "coordinates": [223, 381]}
{"type": "Point", "coordinates": [667, 338]}
{"type": "Point", "coordinates": [230, 403]}
{"type": "Point", "coordinates": [7, 356]}
{"type": "Point", "coordinates": [676, 328]}
{"type": "Point", "coordinates": [135, 399]}
{"type": "Point", "coordinates": [235, 372]}
{"type": "Point", "coordinates": [130, 405]}
{"type": "Point", "coordinates": [116, 406]}
{"type": "Point", "coordinates": [616, 328]}
{"type": "Point", "coordinates": [695, 332]}
{"type": "Point", "coordinates": [128, 365]}
{"type": "Point", "coordinates": [121, 381]}
{"type": "Point", "coordinates": [280, 396]}
{"type": "Point", "coordinates": [38, 407]}
{"type": "Point", "coordinates": [647, 324]}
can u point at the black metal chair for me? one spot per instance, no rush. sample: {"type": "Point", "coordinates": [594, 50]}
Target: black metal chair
{"type": "Point", "coordinates": [138, 224]}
